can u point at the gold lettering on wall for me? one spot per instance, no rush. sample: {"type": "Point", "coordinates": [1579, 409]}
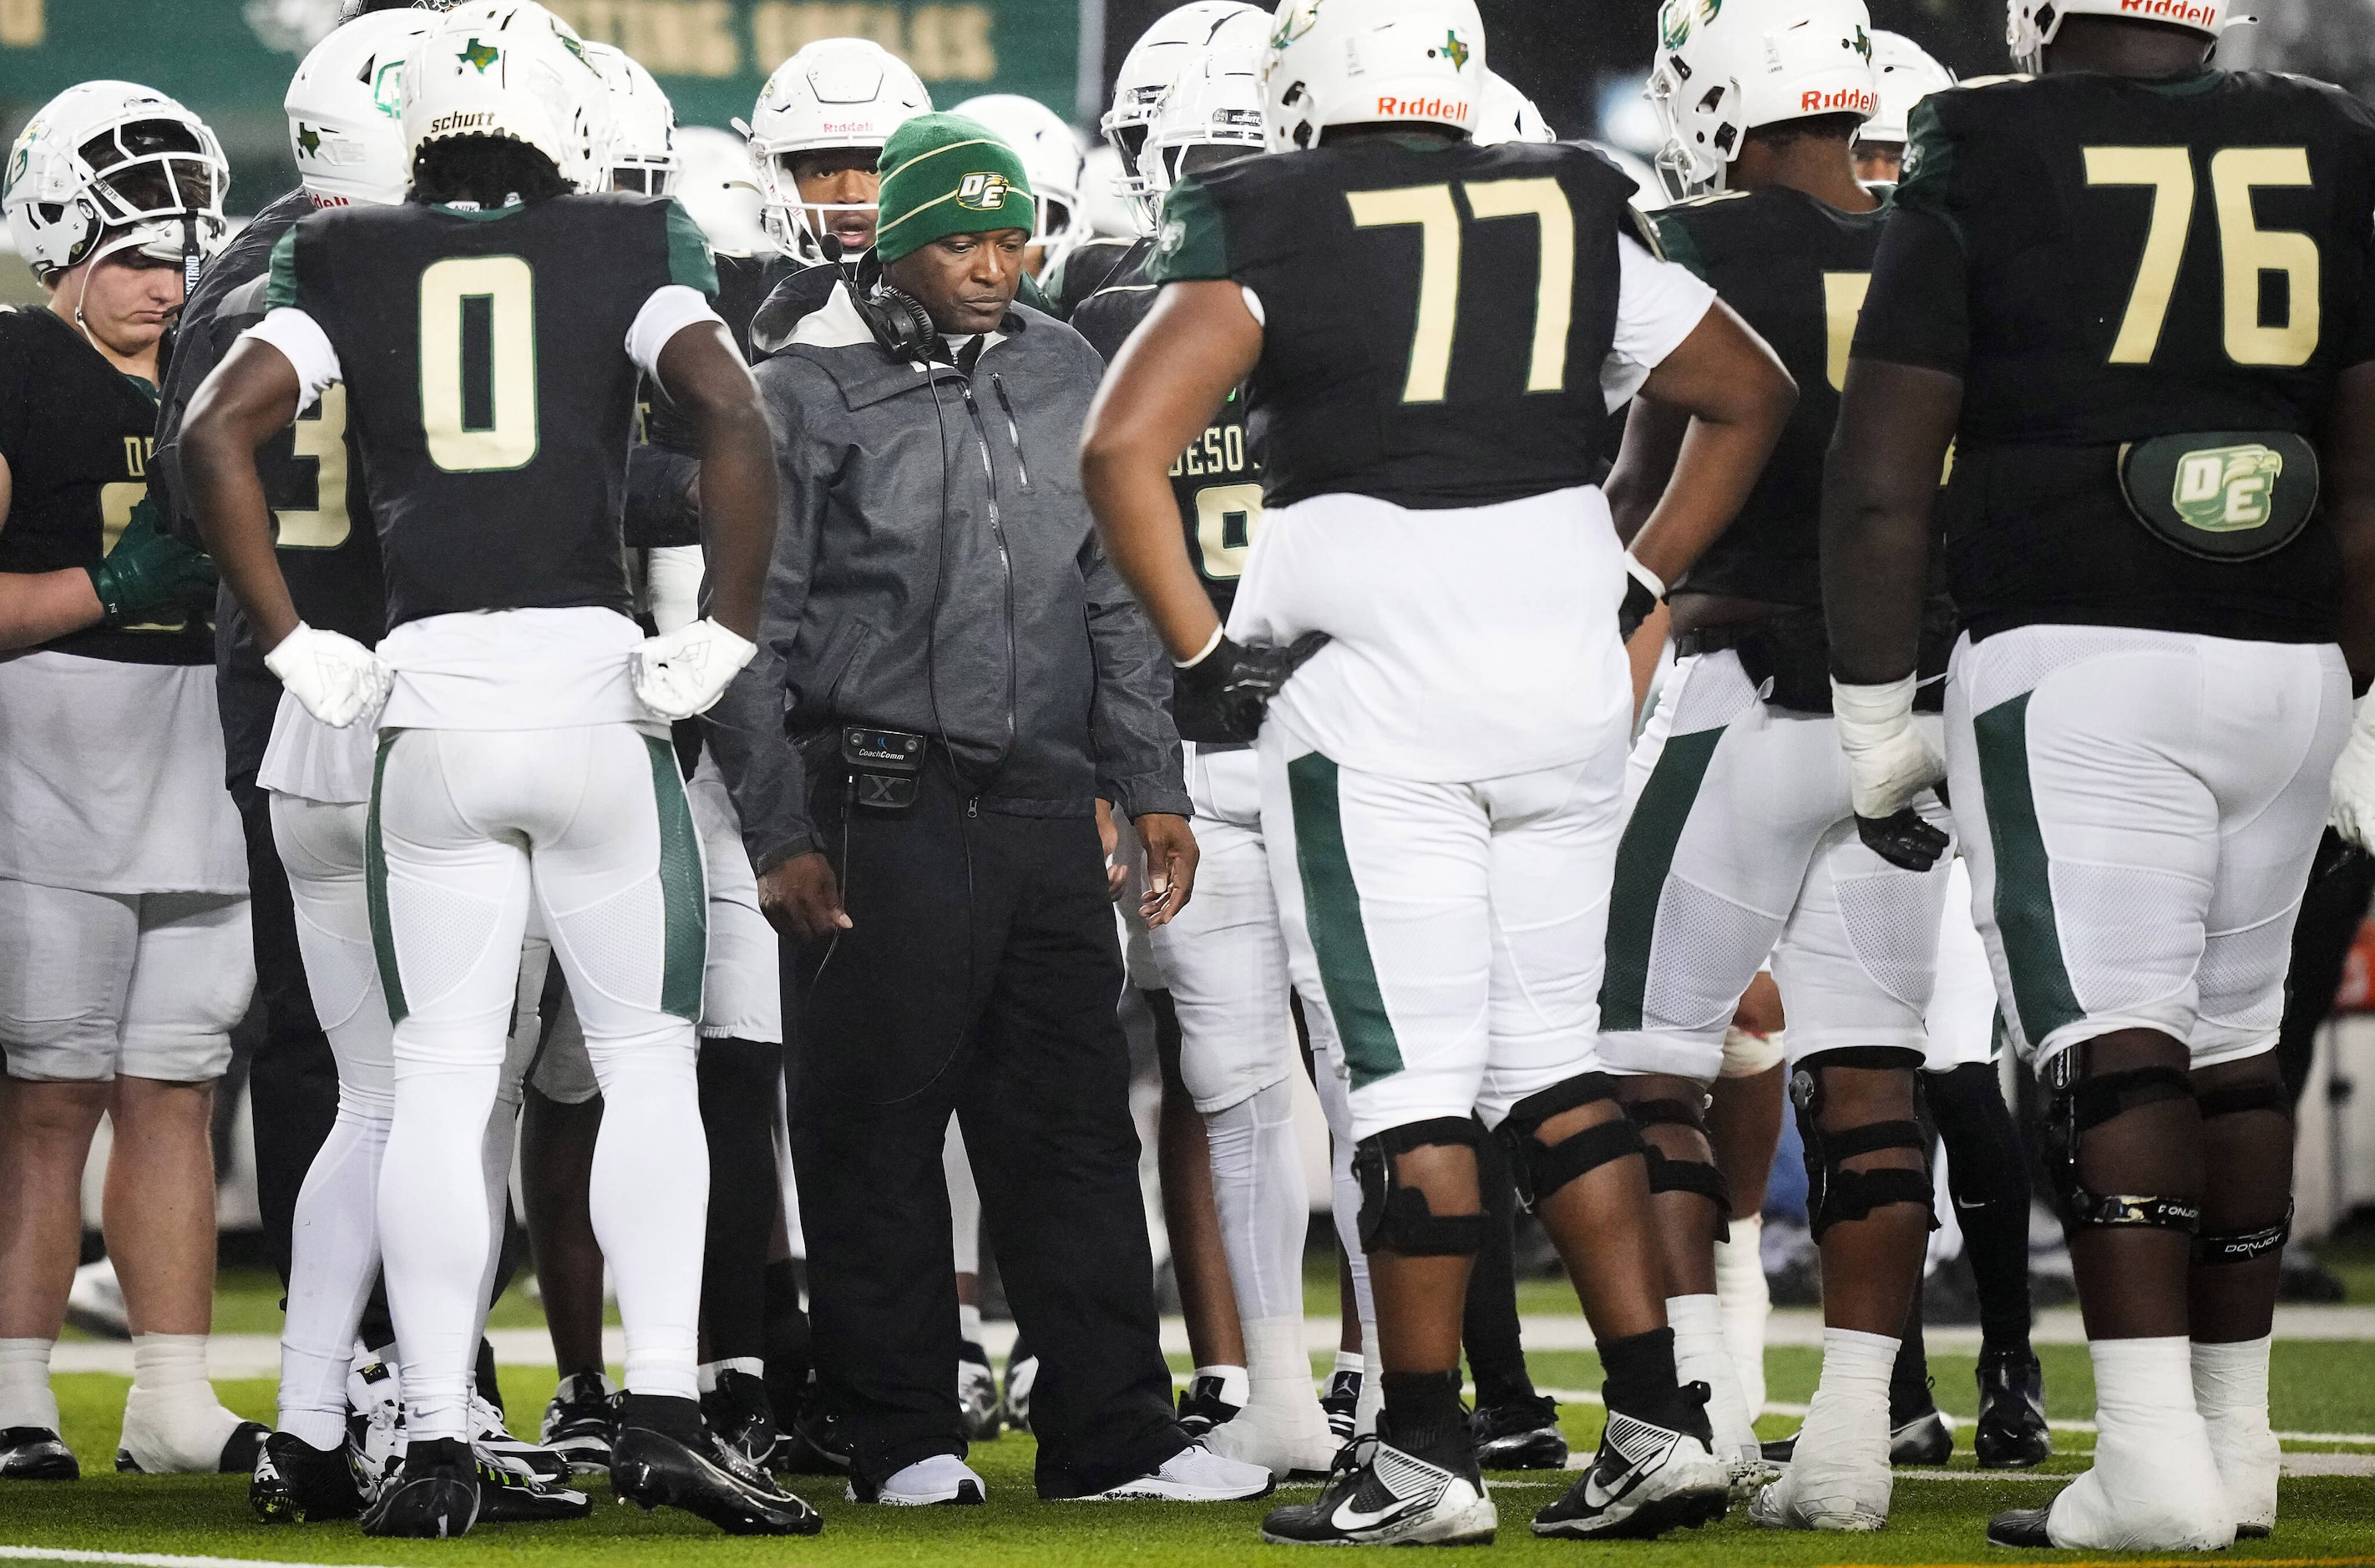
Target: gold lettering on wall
{"type": "Point", "coordinates": [23, 24]}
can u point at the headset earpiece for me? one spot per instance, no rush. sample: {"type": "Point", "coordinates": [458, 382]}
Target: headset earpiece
{"type": "Point", "coordinates": [900, 323]}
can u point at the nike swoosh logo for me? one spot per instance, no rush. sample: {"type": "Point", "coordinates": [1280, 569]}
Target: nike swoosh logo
{"type": "Point", "coordinates": [1350, 1518]}
{"type": "Point", "coordinates": [1967, 1207]}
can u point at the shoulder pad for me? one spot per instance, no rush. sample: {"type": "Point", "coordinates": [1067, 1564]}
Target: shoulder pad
{"type": "Point", "coordinates": [1638, 225]}
{"type": "Point", "coordinates": [1711, 197]}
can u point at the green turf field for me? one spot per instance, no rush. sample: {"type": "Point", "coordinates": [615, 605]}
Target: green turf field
{"type": "Point", "coordinates": [2324, 1388]}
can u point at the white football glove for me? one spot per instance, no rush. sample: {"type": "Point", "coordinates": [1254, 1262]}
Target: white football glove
{"type": "Point", "coordinates": [2352, 792]}
{"type": "Point", "coordinates": [1889, 762]}
{"type": "Point", "coordinates": [339, 681]}
{"type": "Point", "coordinates": [686, 672]}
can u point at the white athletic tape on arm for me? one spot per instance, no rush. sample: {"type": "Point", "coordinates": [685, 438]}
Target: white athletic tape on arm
{"type": "Point", "coordinates": [305, 346]}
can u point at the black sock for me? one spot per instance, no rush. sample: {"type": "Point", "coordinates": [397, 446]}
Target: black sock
{"type": "Point", "coordinates": [1423, 1410]}
{"type": "Point", "coordinates": [1488, 1328]}
{"type": "Point", "coordinates": [1988, 1175]}
{"type": "Point", "coordinates": [664, 1414]}
{"type": "Point", "coordinates": [1641, 1381]}
{"type": "Point", "coordinates": [1909, 1380]}
{"type": "Point", "coordinates": [736, 1081]}
{"type": "Point", "coordinates": [490, 1390]}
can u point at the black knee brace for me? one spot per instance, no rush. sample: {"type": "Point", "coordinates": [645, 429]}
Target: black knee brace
{"type": "Point", "coordinates": [1833, 1193]}
{"type": "Point", "coordinates": [1539, 1169]}
{"type": "Point", "coordinates": [1397, 1218]}
{"type": "Point", "coordinates": [1669, 1174]}
{"type": "Point", "coordinates": [2242, 1246]}
{"type": "Point", "coordinates": [2083, 1101]}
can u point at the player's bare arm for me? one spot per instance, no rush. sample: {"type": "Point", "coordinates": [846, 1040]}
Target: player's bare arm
{"type": "Point", "coordinates": [1177, 368]}
{"type": "Point", "coordinates": [1879, 487]}
{"type": "Point", "coordinates": [1645, 461]}
{"type": "Point", "coordinates": [251, 394]}
{"type": "Point", "coordinates": [1738, 397]}
{"type": "Point", "coordinates": [705, 377]}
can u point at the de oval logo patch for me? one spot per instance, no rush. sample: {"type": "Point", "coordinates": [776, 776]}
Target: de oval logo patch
{"type": "Point", "coordinates": [984, 193]}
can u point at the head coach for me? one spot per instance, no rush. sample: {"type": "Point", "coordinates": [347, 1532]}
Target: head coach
{"type": "Point", "coordinates": [950, 677]}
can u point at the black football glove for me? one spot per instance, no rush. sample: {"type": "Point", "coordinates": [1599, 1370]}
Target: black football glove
{"type": "Point", "coordinates": [1220, 698]}
{"type": "Point", "coordinates": [1639, 604]}
{"type": "Point", "coordinates": [1903, 840]}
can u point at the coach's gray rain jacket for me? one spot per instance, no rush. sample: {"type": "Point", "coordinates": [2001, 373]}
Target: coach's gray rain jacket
{"type": "Point", "coordinates": [1037, 667]}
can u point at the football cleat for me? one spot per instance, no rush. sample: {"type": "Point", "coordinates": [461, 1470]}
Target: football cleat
{"type": "Point", "coordinates": [1924, 1439]}
{"type": "Point", "coordinates": [1645, 1479]}
{"type": "Point", "coordinates": [649, 1468]}
{"type": "Point", "coordinates": [1195, 1474]}
{"type": "Point", "coordinates": [977, 1394]}
{"type": "Point", "coordinates": [1388, 1496]}
{"type": "Point", "coordinates": [433, 1497]}
{"type": "Point", "coordinates": [816, 1445]}
{"type": "Point", "coordinates": [580, 1420]}
{"type": "Point", "coordinates": [35, 1453]}
{"type": "Point", "coordinates": [1519, 1434]}
{"type": "Point", "coordinates": [375, 1421]}
{"type": "Point", "coordinates": [506, 1497]}
{"type": "Point", "coordinates": [237, 1456]}
{"type": "Point", "coordinates": [1201, 1408]}
{"type": "Point", "coordinates": [296, 1483]}
{"type": "Point", "coordinates": [741, 1416]}
{"type": "Point", "coordinates": [1021, 1372]}
{"type": "Point", "coordinates": [1343, 1403]}
{"type": "Point", "coordinates": [496, 1446]}
{"type": "Point", "coordinates": [2021, 1528]}
{"type": "Point", "coordinates": [941, 1480]}
{"type": "Point", "coordinates": [2011, 1434]}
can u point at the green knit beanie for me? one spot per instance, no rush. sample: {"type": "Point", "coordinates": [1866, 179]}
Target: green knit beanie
{"type": "Point", "coordinates": [947, 175]}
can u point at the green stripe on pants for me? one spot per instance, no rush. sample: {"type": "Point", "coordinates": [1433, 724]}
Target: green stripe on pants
{"type": "Point", "coordinates": [683, 898]}
{"type": "Point", "coordinates": [1643, 857]}
{"type": "Point", "coordinates": [1331, 910]}
{"type": "Point", "coordinates": [375, 888]}
{"type": "Point", "coordinates": [2024, 894]}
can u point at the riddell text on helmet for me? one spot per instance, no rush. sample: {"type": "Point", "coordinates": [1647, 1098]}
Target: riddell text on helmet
{"type": "Point", "coordinates": [1856, 99]}
{"type": "Point", "coordinates": [2172, 10]}
{"type": "Point", "coordinates": [1392, 108]}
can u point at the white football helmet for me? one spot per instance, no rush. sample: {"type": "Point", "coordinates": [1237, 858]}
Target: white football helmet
{"type": "Point", "coordinates": [510, 69]}
{"type": "Point", "coordinates": [1214, 102]}
{"type": "Point", "coordinates": [716, 186]}
{"type": "Point", "coordinates": [111, 166]}
{"type": "Point", "coordinates": [346, 112]}
{"type": "Point", "coordinates": [1904, 75]}
{"type": "Point", "coordinates": [837, 92]}
{"type": "Point", "coordinates": [1162, 52]}
{"type": "Point", "coordinates": [1381, 60]}
{"type": "Point", "coordinates": [2031, 24]}
{"type": "Point", "coordinates": [1051, 156]}
{"type": "Point", "coordinates": [643, 124]}
{"type": "Point", "coordinates": [1723, 70]}
{"type": "Point", "coordinates": [1508, 115]}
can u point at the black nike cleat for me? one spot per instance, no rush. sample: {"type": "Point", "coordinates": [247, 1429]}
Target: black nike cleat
{"type": "Point", "coordinates": [580, 1420]}
{"type": "Point", "coordinates": [2021, 1528]}
{"type": "Point", "coordinates": [816, 1445]}
{"type": "Point", "coordinates": [296, 1483]}
{"type": "Point", "coordinates": [434, 1497]}
{"type": "Point", "coordinates": [507, 1497]}
{"type": "Point", "coordinates": [1201, 1408]}
{"type": "Point", "coordinates": [1342, 1405]}
{"type": "Point", "coordinates": [1645, 1479]}
{"type": "Point", "coordinates": [1383, 1495]}
{"type": "Point", "coordinates": [2011, 1434]}
{"type": "Point", "coordinates": [741, 1416]}
{"type": "Point", "coordinates": [1924, 1439]}
{"type": "Point", "coordinates": [1519, 1434]}
{"type": "Point", "coordinates": [35, 1453]}
{"type": "Point", "coordinates": [977, 1393]}
{"type": "Point", "coordinates": [653, 1469]}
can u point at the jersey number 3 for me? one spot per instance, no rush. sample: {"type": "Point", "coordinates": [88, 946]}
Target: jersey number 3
{"type": "Point", "coordinates": [2246, 251]}
{"type": "Point", "coordinates": [477, 363]}
{"type": "Point", "coordinates": [1437, 217]}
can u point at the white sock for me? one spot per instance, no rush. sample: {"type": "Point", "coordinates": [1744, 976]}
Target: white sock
{"type": "Point", "coordinates": [24, 1396]}
{"type": "Point", "coordinates": [1700, 1357]}
{"type": "Point", "coordinates": [1237, 1388]}
{"type": "Point", "coordinates": [332, 1258]}
{"type": "Point", "coordinates": [435, 1238]}
{"type": "Point", "coordinates": [650, 1201]}
{"type": "Point", "coordinates": [1838, 1478]}
{"type": "Point", "coordinates": [173, 1423]}
{"type": "Point", "coordinates": [2155, 1485]}
{"type": "Point", "coordinates": [1348, 1361]}
{"type": "Point", "coordinates": [710, 1371]}
{"type": "Point", "coordinates": [2230, 1389]}
{"type": "Point", "coordinates": [1265, 1209]}
{"type": "Point", "coordinates": [495, 1151]}
{"type": "Point", "coordinates": [969, 1323]}
{"type": "Point", "coordinates": [1747, 1301]}
{"type": "Point", "coordinates": [1280, 1370]}
{"type": "Point", "coordinates": [1373, 1389]}
{"type": "Point", "coordinates": [965, 1206]}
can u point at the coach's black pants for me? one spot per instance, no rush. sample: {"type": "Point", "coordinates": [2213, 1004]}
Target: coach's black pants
{"type": "Point", "coordinates": [980, 973]}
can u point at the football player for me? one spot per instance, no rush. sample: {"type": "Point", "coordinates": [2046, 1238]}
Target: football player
{"type": "Point", "coordinates": [492, 378]}
{"type": "Point", "coordinates": [1741, 843]}
{"type": "Point", "coordinates": [125, 955]}
{"type": "Point", "coordinates": [1052, 155]}
{"type": "Point", "coordinates": [1441, 785]}
{"type": "Point", "coordinates": [2130, 291]}
{"type": "Point", "coordinates": [1903, 73]}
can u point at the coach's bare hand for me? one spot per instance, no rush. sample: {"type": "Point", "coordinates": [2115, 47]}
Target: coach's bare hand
{"type": "Point", "coordinates": [802, 899]}
{"type": "Point", "coordinates": [1170, 866]}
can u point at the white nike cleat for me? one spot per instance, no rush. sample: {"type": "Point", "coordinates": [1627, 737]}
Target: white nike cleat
{"type": "Point", "coordinates": [942, 1479]}
{"type": "Point", "coordinates": [1391, 1497]}
{"type": "Point", "coordinates": [1195, 1474]}
{"type": "Point", "coordinates": [1645, 1480]}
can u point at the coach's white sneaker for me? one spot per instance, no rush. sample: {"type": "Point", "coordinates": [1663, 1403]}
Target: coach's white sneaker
{"type": "Point", "coordinates": [942, 1479]}
{"type": "Point", "coordinates": [1195, 1474]}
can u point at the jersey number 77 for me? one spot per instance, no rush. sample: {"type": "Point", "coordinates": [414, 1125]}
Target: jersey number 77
{"type": "Point", "coordinates": [1439, 223]}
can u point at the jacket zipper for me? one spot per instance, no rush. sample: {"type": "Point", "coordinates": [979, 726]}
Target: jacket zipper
{"type": "Point", "coordinates": [1013, 429]}
{"type": "Point", "coordinates": [1005, 560]}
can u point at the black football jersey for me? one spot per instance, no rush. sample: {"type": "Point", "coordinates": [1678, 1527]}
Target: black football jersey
{"type": "Point", "coordinates": [1217, 478]}
{"type": "Point", "coordinates": [79, 435]}
{"type": "Point", "coordinates": [2106, 261]}
{"type": "Point", "coordinates": [1089, 267]}
{"type": "Point", "coordinates": [488, 382]}
{"type": "Point", "coordinates": [1435, 314]}
{"type": "Point", "coordinates": [1795, 269]}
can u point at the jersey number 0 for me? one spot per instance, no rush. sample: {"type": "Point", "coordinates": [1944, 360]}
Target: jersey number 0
{"type": "Point", "coordinates": [1437, 217]}
{"type": "Point", "coordinates": [477, 363]}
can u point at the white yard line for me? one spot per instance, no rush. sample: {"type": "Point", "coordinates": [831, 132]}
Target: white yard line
{"type": "Point", "coordinates": [150, 1559]}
